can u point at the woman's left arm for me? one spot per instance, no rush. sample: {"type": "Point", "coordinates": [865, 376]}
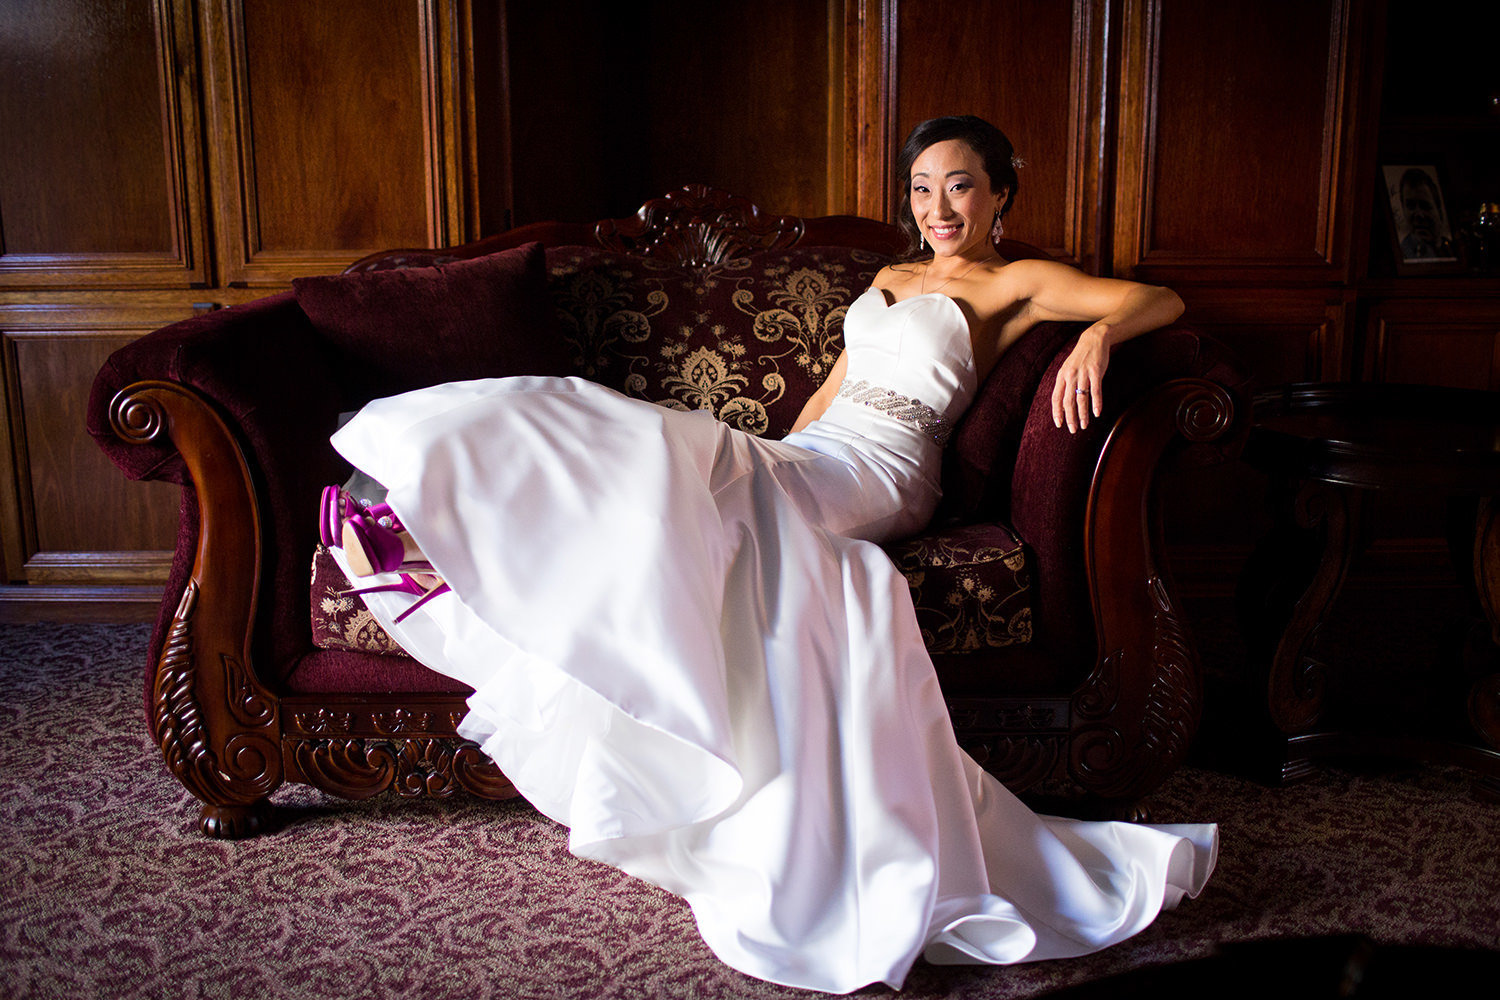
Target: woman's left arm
{"type": "Point", "coordinates": [1120, 310]}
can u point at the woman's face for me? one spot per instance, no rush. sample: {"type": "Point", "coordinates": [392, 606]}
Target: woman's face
{"type": "Point", "coordinates": [951, 199]}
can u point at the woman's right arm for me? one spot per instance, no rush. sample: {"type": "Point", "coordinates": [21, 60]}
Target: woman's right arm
{"type": "Point", "coordinates": [823, 398]}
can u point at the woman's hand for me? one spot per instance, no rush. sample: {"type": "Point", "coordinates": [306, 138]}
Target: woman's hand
{"type": "Point", "coordinates": [1117, 309]}
{"type": "Point", "coordinates": [1078, 394]}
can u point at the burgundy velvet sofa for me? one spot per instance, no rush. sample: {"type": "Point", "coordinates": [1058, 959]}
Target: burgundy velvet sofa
{"type": "Point", "coordinates": [1040, 585]}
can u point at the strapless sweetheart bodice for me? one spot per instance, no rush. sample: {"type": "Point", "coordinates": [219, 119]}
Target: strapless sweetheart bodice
{"type": "Point", "coordinates": [910, 377]}
{"type": "Point", "coordinates": [918, 347]}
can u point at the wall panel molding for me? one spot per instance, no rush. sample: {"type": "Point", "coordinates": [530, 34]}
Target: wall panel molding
{"type": "Point", "coordinates": [1237, 141]}
{"type": "Point", "coordinates": [1435, 342]}
{"type": "Point", "coordinates": [66, 513]}
{"type": "Point", "coordinates": [389, 160]}
{"type": "Point", "coordinates": [60, 123]}
{"type": "Point", "coordinates": [1281, 335]}
{"type": "Point", "coordinates": [1053, 118]}
{"type": "Point", "coordinates": [863, 134]}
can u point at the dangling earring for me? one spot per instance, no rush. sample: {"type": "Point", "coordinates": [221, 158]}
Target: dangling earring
{"type": "Point", "coordinates": [997, 230]}
{"type": "Point", "coordinates": [922, 243]}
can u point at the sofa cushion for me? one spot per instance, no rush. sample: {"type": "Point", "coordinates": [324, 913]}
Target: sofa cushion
{"type": "Point", "coordinates": [412, 327]}
{"type": "Point", "coordinates": [347, 672]}
{"type": "Point", "coordinates": [749, 339]}
{"type": "Point", "coordinates": [971, 587]}
{"type": "Point", "coordinates": [340, 620]}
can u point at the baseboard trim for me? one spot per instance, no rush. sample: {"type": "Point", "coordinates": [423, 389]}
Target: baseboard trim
{"type": "Point", "coordinates": [29, 603]}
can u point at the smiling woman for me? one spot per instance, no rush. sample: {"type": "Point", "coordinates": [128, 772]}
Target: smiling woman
{"type": "Point", "coordinates": [979, 152]}
{"type": "Point", "coordinates": [958, 176]}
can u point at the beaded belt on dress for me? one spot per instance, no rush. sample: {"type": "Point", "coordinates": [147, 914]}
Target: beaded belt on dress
{"type": "Point", "coordinates": [912, 412]}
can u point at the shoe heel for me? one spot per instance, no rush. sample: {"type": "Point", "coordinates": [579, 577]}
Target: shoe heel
{"type": "Point", "coordinates": [407, 585]}
{"type": "Point", "coordinates": [437, 591]}
{"type": "Point", "coordinates": [334, 506]}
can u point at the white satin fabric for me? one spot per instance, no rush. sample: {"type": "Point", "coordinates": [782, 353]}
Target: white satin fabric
{"type": "Point", "coordinates": [686, 647]}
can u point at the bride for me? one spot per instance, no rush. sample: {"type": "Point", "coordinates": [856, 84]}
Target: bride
{"type": "Point", "coordinates": [686, 646]}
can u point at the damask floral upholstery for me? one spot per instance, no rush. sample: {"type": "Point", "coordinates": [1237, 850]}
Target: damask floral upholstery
{"type": "Point", "coordinates": [340, 619]}
{"type": "Point", "coordinates": [971, 586]}
{"type": "Point", "coordinates": [748, 340]}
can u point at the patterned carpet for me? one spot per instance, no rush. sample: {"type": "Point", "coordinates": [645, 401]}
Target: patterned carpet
{"type": "Point", "coordinates": [107, 890]}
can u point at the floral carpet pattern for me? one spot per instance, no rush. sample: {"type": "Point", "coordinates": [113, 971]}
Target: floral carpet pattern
{"type": "Point", "coordinates": [108, 890]}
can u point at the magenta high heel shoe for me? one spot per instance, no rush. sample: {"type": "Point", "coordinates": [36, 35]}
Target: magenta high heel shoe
{"type": "Point", "coordinates": [337, 505]}
{"type": "Point", "coordinates": [371, 547]}
{"type": "Point", "coordinates": [407, 585]}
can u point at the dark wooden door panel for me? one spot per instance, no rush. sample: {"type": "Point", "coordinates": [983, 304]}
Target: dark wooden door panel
{"type": "Point", "coordinates": [335, 157]}
{"type": "Point", "coordinates": [334, 136]}
{"type": "Point", "coordinates": [1236, 141]}
{"type": "Point", "coordinates": [1435, 342]}
{"type": "Point", "coordinates": [756, 119]}
{"type": "Point", "coordinates": [70, 514]}
{"type": "Point", "coordinates": [1281, 335]}
{"type": "Point", "coordinates": [100, 179]}
{"type": "Point", "coordinates": [617, 103]}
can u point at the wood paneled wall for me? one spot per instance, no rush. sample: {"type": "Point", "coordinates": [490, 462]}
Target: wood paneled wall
{"type": "Point", "coordinates": [1035, 69]}
{"type": "Point", "coordinates": [162, 157]}
{"type": "Point", "coordinates": [1233, 140]}
{"type": "Point", "coordinates": [101, 180]}
{"type": "Point", "coordinates": [612, 103]}
{"type": "Point", "coordinates": [335, 136]}
{"type": "Point", "coordinates": [165, 157]}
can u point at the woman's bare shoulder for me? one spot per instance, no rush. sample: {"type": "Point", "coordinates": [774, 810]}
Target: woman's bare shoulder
{"type": "Point", "coordinates": [893, 276]}
{"type": "Point", "coordinates": [1038, 269]}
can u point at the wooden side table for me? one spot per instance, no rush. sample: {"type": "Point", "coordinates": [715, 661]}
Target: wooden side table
{"type": "Point", "coordinates": [1325, 446]}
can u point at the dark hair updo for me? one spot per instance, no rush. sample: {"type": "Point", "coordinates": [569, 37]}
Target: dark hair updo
{"type": "Point", "coordinates": [993, 148]}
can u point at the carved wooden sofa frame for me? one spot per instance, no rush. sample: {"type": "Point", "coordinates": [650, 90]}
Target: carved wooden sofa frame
{"type": "Point", "coordinates": [232, 737]}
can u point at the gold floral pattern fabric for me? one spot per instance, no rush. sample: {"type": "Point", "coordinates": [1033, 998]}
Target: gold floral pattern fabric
{"type": "Point", "coordinates": [341, 620]}
{"type": "Point", "coordinates": [749, 340]}
{"type": "Point", "coordinates": [971, 587]}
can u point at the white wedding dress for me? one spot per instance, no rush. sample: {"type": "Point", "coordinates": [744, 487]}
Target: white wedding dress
{"type": "Point", "coordinates": [686, 646]}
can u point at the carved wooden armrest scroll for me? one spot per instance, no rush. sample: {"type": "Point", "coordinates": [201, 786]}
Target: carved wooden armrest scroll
{"type": "Point", "coordinates": [1139, 709]}
{"type": "Point", "coordinates": [216, 724]}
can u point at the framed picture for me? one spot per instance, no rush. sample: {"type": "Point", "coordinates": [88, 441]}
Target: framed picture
{"type": "Point", "coordinates": [1420, 235]}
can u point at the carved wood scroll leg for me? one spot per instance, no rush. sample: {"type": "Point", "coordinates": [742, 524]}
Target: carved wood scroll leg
{"type": "Point", "coordinates": [1484, 697]}
{"type": "Point", "coordinates": [1296, 678]}
{"type": "Point", "coordinates": [217, 726]}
